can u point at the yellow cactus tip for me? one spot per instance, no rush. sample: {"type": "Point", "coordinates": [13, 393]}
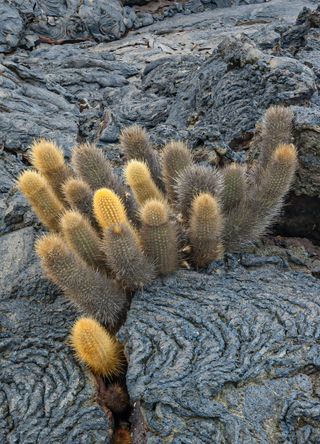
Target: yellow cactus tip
{"type": "Point", "coordinates": [29, 182]}
{"type": "Point", "coordinates": [105, 194]}
{"type": "Point", "coordinates": [233, 166]}
{"type": "Point", "coordinates": [205, 200]}
{"type": "Point", "coordinates": [136, 172]}
{"type": "Point", "coordinates": [286, 153]}
{"type": "Point", "coordinates": [138, 177]}
{"type": "Point", "coordinates": [46, 155]}
{"type": "Point", "coordinates": [99, 350]}
{"type": "Point", "coordinates": [154, 213]}
{"type": "Point", "coordinates": [47, 244]}
{"type": "Point", "coordinates": [108, 208]}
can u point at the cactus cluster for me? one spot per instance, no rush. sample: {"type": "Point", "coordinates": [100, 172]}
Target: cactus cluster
{"type": "Point", "coordinates": [112, 236]}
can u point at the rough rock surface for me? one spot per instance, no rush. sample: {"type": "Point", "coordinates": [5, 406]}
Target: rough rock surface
{"type": "Point", "coordinates": [77, 71]}
{"type": "Point", "coordinates": [205, 77]}
{"type": "Point", "coordinates": [45, 395]}
{"type": "Point", "coordinates": [27, 23]}
{"type": "Point", "coordinates": [232, 357]}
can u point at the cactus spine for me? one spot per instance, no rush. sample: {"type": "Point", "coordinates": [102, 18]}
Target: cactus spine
{"type": "Point", "coordinates": [92, 291]}
{"type": "Point", "coordinates": [125, 258]}
{"type": "Point", "coordinates": [48, 159]}
{"type": "Point", "coordinates": [175, 158]}
{"type": "Point", "coordinates": [254, 215]}
{"type": "Point", "coordinates": [159, 237]}
{"type": "Point", "coordinates": [234, 186]}
{"type": "Point", "coordinates": [194, 180]}
{"type": "Point", "coordinates": [206, 224]}
{"type": "Point", "coordinates": [43, 200]}
{"type": "Point", "coordinates": [276, 130]}
{"type": "Point", "coordinates": [79, 196]}
{"type": "Point", "coordinates": [276, 180]}
{"type": "Point", "coordinates": [140, 181]}
{"type": "Point", "coordinates": [99, 350]}
{"type": "Point", "coordinates": [82, 238]}
{"type": "Point", "coordinates": [92, 166]}
{"type": "Point", "coordinates": [137, 146]}
{"type": "Point", "coordinates": [108, 208]}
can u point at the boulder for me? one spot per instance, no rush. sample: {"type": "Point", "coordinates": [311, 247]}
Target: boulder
{"type": "Point", "coordinates": [229, 357]}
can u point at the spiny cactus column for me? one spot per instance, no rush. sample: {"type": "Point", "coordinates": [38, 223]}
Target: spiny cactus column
{"type": "Point", "coordinates": [82, 239]}
{"type": "Point", "coordinates": [140, 181]}
{"type": "Point", "coordinates": [276, 129]}
{"type": "Point", "coordinates": [137, 146]}
{"type": "Point", "coordinates": [194, 180]}
{"type": "Point", "coordinates": [108, 208]}
{"type": "Point", "coordinates": [48, 159]}
{"type": "Point", "coordinates": [125, 258]}
{"type": "Point", "coordinates": [206, 225]}
{"type": "Point", "coordinates": [268, 196]}
{"type": "Point", "coordinates": [234, 187]}
{"type": "Point", "coordinates": [43, 200]}
{"type": "Point", "coordinates": [175, 158]}
{"type": "Point", "coordinates": [92, 291]}
{"type": "Point", "coordinates": [264, 201]}
{"type": "Point", "coordinates": [238, 218]}
{"type": "Point", "coordinates": [159, 237]}
{"type": "Point", "coordinates": [79, 196]}
{"type": "Point", "coordinates": [99, 350]}
{"type": "Point", "coordinates": [92, 166]}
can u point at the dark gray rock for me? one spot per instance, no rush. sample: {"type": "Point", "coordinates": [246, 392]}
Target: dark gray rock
{"type": "Point", "coordinates": [47, 93]}
{"type": "Point", "coordinates": [22, 277]}
{"type": "Point", "coordinates": [15, 212]}
{"type": "Point", "coordinates": [11, 27]}
{"type": "Point", "coordinates": [214, 3]}
{"type": "Point", "coordinates": [22, 113]}
{"type": "Point", "coordinates": [135, 2]}
{"type": "Point", "coordinates": [27, 23]}
{"type": "Point", "coordinates": [60, 79]}
{"type": "Point", "coordinates": [234, 87]}
{"type": "Point", "coordinates": [45, 395]}
{"type": "Point", "coordinates": [232, 357]}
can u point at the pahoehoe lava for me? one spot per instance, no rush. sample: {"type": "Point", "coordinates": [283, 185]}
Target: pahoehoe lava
{"type": "Point", "coordinates": [229, 358]}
